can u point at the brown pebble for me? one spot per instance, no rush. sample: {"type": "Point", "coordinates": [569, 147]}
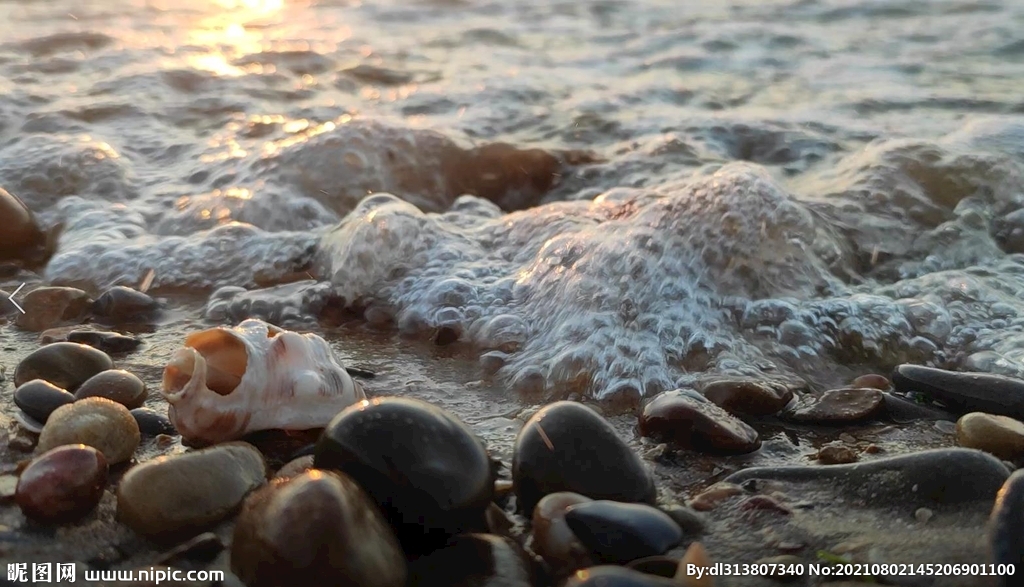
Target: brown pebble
{"type": "Point", "coordinates": [836, 454]}
{"type": "Point", "coordinates": [553, 540]}
{"type": "Point", "coordinates": [687, 420]}
{"type": "Point", "coordinates": [64, 364]}
{"type": "Point", "coordinates": [47, 307]}
{"type": "Point", "coordinates": [63, 484]}
{"type": "Point", "coordinates": [116, 385]}
{"type": "Point", "coordinates": [873, 381]}
{"type": "Point", "coordinates": [747, 396]}
{"type": "Point", "coordinates": [713, 496]}
{"type": "Point", "coordinates": [21, 234]}
{"type": "Point", "coordinates": [837, 406]}
{"type": "Point", "coordinates": [1001, 436]}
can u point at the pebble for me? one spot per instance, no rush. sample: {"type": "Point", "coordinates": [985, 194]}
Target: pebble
{"type": "Point", "coordinates": [64, 364]}
{"type": "Point", "coordinates": [39, 398]}
{"type": "Point", "coordinates": [935, 474]}
{"type": "Point", "coordinates": [713, 496]}
{"type": "Point", "coordinates": [432, 477]}
{"type": "Point", "coordinates": [966, 392]}
{"type": "Point", "coordinates": [47, 307]}
{"type": "Point", "coordinates": [174, 497]}
{"type": "Point", "coordinates": [620, 532]}
{"type": "Point", "coordinates": [97, 422]}
{"type": "Point", "coordinates": [124, 304]}
{"type": "Point", "coordinates": [108, 342]}
{"type": "Point", "coordinates": [317, 528]}
{"type": "Point", "coordinates": [836, 453]}
{"type": "Point", "coordinates": [296, 466]}
{"type": "Point", "coordinates": [998, 435]}
{"type": "Point", "coordinates": [477, 560]}
{"type": "Point", "coordinates": [116, 385]}
{"type": "Point", "coordinates": [902, 410]}
{"type": "Point", "coordinates": [153, 423]}
{"type": "Point", "coordinates": [616, 576]}
{"type": "Point", "coordinates": [63, 484]}
{"type": "Point", "coordinates": [747, 396]}
{"type": "Point", "coordinates": [872, 380]}
{"type": "Point", "coordinates": [8, 486]}
{"type": "Point", "coordinates": [21, 233]}
{"type": "Point", "coordinates": [923, 515]}
{"type": "Point", "coordinates": [553, 540]}
{"type": "Point", "coordinates": [837, 406]}
{"type": "Point", "coordinates": [1006, 541]}
{"type": "Point", "coordinates": [565, 446]}
{"type": "Point", "coordinates": [687, 421]}
{"type": "Point", "coordinates": [691, 521]}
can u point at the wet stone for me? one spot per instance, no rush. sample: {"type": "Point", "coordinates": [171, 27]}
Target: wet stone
{"type": "Point", "coordinates": [481, 560]}
{"type": "Point", "coordinates": [621, 532]}
{"type": "Point", "coordinates": [836, 406]}
{"type": "Point", "coordinates": [902, 410]}
{"type": "Point", "coordinates": [943, 476]}
{"type": "Point", "coordinates": [21, 235]}
{"type": "Point", "coordinates": [108, 342]}
{"type": "Point", "coordinates": [116, 385]}
{"type": "Point", "coordinates": [433, 477]}
{"type": "Point", "coordinates": [152, 423]}
{"type": "Point", "coordinates": [121, 304]}
{"type": "Point", "coordinates": [64, 364]}
{"type": "Point", "coordinates": [63, 484]}
{"type": "Point", "coordinates": [965, 392]}
{"type": "Point", "coordinates": [553, 540]}
{"type": "Point", "coordinates": [998, 435]}
{"type": "Point", "coordinates": [317, 528]}
{"type": "Point", "coordinates": [97, 422]}
{"type": "Point", "coordinates": [747, 396]}
{"type": "Point", "coordinates": [836, 453]}
{"type": "Point", "coordinates": [688, 421]}
{"type": "Point", "coordinates": [47, 307]}
{"type": "Point", "coordinates": [174, 497]}
{"type": "Point", "coordinates": [1005, 539]}
{"type": "Point", "coordinates": [567, 447]}
{"type": "Point", "coordinates": [872, 380]}
{"type": "Point", "coordinates": [39, 398]}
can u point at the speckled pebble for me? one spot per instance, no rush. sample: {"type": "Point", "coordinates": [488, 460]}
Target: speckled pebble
{"type": "Point", "coordinates": [116, 385]}
{"type": "Point", "coordinates": [97, 422]}
{"type": "Point", "coordinates": [1001, 436]}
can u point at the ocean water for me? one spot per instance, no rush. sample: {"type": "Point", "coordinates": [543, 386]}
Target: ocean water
{"type": "Point", "coordinates": [609, 198]}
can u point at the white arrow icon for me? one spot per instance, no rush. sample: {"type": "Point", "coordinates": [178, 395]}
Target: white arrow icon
{"type": "Point", "coordinates": [11, 297]}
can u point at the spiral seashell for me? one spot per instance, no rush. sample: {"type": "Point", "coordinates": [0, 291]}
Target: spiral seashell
{"type": "Point", "coordinates": [227, 382]}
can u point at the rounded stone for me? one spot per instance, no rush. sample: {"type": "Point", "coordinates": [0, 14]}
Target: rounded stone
{"type": "Point", "coordinates": [64, 364]}
{"type": "Point", "coordinates": [1001, 436]}
{"type": "Point", "coordinates": [836, 454]}
{"type": "Point", "coordinates": [39, 398]}
{"type": "Point", "coordinates": [63, 484]}
{"type": "Point", "coordinates": [108, 342]}
{"type": "Point", "coordinates": [124, 304]}
{"type": "Point", "coordinates": [21, 233]}
{"type": "Point", "coordinates": [1006, 541]}
{"type": "Point", "coordinates": [872, 380]}
{"type": "Point", "coordinates": [116, 385]}
{"type": "Point", "coordinates": [176, 497]}
{"type": "Point", "coordinates": [837, 406]}
{"type": "Point", "coordinates": [565, 446]}
{"type": "Point", "coordinates": [47, 307]}
{"type": "Point", "coordinates": [965, 392]}
{"type": "Point", "coordinates": [152, 423]}
{"type": "Point", "coordinates": [689, 421]}
{"type": "Point", "coordinates": [97, 422]}
{"type": "Point", "coordinates": [553, 540]}
{"type": "Point", "coordinates": [746, 396]}
{"type": "Point", "coordinates": [432, 477]}
{"type": "Point", "coordinates": [317, 528]}
{"type": "Point", "coordinates": [621, 532]}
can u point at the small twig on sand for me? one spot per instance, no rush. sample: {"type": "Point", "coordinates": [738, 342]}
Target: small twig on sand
{"type": "Point", "coordinates": [147, 281]}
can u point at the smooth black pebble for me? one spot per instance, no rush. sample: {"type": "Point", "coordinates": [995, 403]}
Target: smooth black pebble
{"type": "Point", "coordinates": [567, 447]}
{"type": "Point", "coordinates": [124, 304]}
{"type": "Point", "coordinates": [64, 364]}
{"type": "Point", "coordinates": [431, 476]}
{"type": "Point", "coordinates": [965, 392]}
{"type": "Point", "coordinates": [152, 423]}
{"type": "Point", "coordinates": [39, 398]}
{"type": "Point", "coordinates": [621, 532]}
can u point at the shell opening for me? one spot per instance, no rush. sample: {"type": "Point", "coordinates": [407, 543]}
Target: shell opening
{"type": "Point", "coordinates": [225, 357]}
